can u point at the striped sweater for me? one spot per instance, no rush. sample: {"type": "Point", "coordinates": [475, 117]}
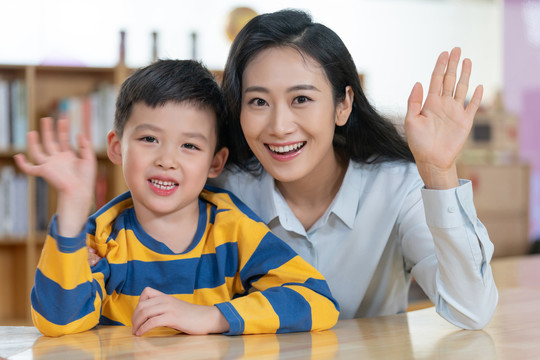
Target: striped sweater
{"type": "Point", "coordinates": [234, 262]}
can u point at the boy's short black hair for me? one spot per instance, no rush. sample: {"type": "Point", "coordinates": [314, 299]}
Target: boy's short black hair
{"type": "Point", "coordinates": [171, 80]}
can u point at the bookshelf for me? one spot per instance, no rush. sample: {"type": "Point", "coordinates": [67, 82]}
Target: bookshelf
{"type": "Point", "coordinates": [27, 93]}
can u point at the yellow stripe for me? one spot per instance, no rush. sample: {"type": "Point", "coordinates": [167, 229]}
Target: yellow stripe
{"type": "Point", "coordinates": [294, 270]}
{"type": "Point", "coordinates": [257, 312]}
{"type": "Point", "coordinates": [53, 264]}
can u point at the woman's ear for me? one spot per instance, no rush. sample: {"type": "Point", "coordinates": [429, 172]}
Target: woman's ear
{"type": "Point", "coordinates": [114, 148]}
{"type": "Point", "coordinates": [218, 163]}
{"type": "Point", "coordinates": [344, 108]}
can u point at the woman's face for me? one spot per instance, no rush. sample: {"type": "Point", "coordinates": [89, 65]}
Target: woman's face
{"type": "Point", "coordinates": [288, 114]}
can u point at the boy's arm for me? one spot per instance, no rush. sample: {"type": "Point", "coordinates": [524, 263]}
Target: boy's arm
{"type": "Point", "coordinates": [291, 295]}
{"type": "Point", "coordinates": [67, 294]}
{"type": "Point", "coordinates": [64, 285]}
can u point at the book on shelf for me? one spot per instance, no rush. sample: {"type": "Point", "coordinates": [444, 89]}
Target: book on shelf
{"type": "Point", "coordinates": [4, 115]}
{"type": "Point", "coordinates": [91, 115]}
{"type": "Point", "coordinates": [14, 208]}
{"type": "Point", "coordinates": [14, 204]}
{"type": "Point", "coordinates": [13, 114]}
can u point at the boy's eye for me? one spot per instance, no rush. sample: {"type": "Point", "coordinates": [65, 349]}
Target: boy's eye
{"type": "Point", "coordinates": [257, 102]}
{"type": "Point", "coordinates": [149, 139]}
{"type": "Point", "coordinates": [190, 146]}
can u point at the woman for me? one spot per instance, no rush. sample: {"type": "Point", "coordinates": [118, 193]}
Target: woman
{"type": "Point", "coordinates": [337, 182]}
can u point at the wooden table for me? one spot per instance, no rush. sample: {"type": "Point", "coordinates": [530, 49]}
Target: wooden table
{"type": "Point", "coordinates": [513, 333]}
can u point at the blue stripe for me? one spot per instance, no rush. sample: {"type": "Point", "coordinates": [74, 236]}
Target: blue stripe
{"type": "Point", "coordinates": [270, 254]}
{"type": "Point", "coordinates": [182, 276]}
{"type": "Point", "coordinates": [293, 310]}
{"type": "Point", "coordinates": [103, 320]}
{"type": "Point", "coordinates": [236, 323]}
{"type": "Point", "coordinates": [66, 245]}
{"type": "Point", "coordinates": [236, 201]}
{"type": "Point", "coordinates": [91, 224]}
{"type": "Point", "coordinates": [319, 286]}
{"type": "Point", "coordinates": [129, 221]}
{"type": "Point", "coordinates": [61, 306]}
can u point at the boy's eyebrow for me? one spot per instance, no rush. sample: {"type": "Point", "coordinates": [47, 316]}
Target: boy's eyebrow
{"type": "Point", "coordinates": [192, 134]}
{"type": "Point", "coordinates": [147, 127]}
{"type": "Point", "coordinates": [290, 89]}
{"type": "Point", "coordinates": [196, 134]}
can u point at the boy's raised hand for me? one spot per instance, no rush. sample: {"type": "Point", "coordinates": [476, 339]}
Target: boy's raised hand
{"type": "Point", "coordinates": [156, 309]}
{"type": "Point", "coordinates": [437, 131]}
{"type": "Point", "coordinates": [71, 174]}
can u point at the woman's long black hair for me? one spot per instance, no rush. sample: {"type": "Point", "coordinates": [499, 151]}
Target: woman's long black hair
{"type": "Point", "coordinates": [366, 137]}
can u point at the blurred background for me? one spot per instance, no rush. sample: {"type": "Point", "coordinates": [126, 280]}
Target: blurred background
{"type": "Point", "coordinates": [61, 52]}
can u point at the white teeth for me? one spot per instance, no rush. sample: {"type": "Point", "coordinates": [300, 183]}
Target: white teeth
{"type": "Point", "coordinates": [163, 185]}
{"type": "Point", "coordinates": [286, 148]}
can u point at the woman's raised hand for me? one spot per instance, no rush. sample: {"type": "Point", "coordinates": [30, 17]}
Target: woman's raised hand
{"type": "Point", "coordinates": [71, 174]}
{"type": "Point", "coordinates": [437, 131]}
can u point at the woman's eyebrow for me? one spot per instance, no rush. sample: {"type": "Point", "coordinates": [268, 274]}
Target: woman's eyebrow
{"type": "Point", "coordinates": [290, 89]}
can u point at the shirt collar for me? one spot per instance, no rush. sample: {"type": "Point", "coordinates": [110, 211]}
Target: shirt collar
{"type": "Point", "coordinates": [344, 206]}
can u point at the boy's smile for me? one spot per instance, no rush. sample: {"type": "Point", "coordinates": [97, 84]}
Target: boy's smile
{"type": "Point", "coordinates": [167, 154]}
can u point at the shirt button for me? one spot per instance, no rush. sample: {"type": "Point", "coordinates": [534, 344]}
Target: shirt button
{"type": "Point", "coordinates": [451, 209]}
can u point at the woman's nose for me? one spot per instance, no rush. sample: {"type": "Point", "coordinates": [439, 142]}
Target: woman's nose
{"type": "Point", "coordinates": [281, 121]}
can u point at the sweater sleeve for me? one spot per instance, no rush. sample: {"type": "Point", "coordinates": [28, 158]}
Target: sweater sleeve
{"type": "Point", "coordinates": [282, 292]}
{"type": "Point", "coordinates": [67, 294]}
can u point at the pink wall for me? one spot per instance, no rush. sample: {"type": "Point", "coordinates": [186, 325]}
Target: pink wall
{"type": "Point", "coordinates": [522, 87]}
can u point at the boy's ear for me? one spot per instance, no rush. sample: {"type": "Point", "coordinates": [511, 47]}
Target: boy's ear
{"type": "Point", "coordinates": [114, 148]}
{"type": "Point", "coordinates": [218, 163]}
{"type": "Point", "coordinates": [344, 108]}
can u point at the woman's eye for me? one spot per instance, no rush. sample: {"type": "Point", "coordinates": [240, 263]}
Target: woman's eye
{"type": "Point", "coordinates": [149, 139]}
{"type": "Point", "coordinates": [301, 99]}
{"type": "Point", "coordinates": [257, 102]}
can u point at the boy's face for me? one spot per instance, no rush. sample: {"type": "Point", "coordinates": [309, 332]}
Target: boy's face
{"type": "Point", "coordinates": [167, 154]}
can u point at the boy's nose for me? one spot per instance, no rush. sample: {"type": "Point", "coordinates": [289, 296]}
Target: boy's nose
{"type": "Point", "coordinates": [167, 159]}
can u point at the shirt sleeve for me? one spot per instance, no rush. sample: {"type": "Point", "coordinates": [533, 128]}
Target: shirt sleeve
{"type": "Point", "coordinates": [457, 277]}
{"type": "Point", "coordinates": [67, 294]}
{"type": "Point", "coordinates": [282, 292]}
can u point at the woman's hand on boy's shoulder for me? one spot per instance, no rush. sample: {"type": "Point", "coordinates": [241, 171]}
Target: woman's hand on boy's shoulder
{"type": "Point", "coordinates": [156, 309]}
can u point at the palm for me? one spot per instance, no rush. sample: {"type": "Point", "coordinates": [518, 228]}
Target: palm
{"type": "Point", "coordinates": [437, 131]}
{"type": "Point", "coordinates": [55, 161]}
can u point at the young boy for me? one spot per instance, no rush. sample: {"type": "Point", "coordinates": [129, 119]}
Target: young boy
{"type": "Point", "coordinates": [174, 253]}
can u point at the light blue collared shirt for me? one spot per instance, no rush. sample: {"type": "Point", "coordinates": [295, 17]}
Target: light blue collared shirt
{"type": "Point", "coordinates": [383, 227]}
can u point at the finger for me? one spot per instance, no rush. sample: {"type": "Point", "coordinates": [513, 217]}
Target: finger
{"type": "Point", "coordinates": [85, 147]}
{"type": "Point", "coordinates": [437, 76]}
{"type": "Point", "coordinates": [463, 84]}
{"type": "Point", "coordinates": [451, 72]}
{"type": "Point", "coordinates": [414, 104]}
{"type": "Point", "coordinates": [149, 293]}
{"type": "Point", "coordinates": [145, 309]}
{"type": "Point", "coordinates": [34, 148]}
{"type": "Point", "coordinates": [93, 258]}
{"type": "Point", "coordinates": [476, 99]}
{"type": "Point", "coordinates": [151, 323]}
{"type": "Point", "coordinates": [48, 137]}
{"type": "Point", "coordinates": [25, 166]}
{"type": "Point", "coordinates": [62, 130]}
